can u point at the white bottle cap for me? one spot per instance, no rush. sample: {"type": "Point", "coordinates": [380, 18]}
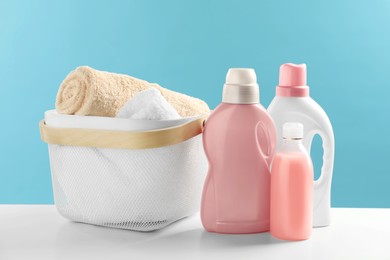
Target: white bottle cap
{"type": "Point", "coordinates": [241, 87]}
{"type": "Point", "coordinates": [292, 131]}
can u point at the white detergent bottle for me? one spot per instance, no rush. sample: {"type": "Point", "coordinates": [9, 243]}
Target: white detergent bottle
{"type": "Point", "coordinates": [292, 103]}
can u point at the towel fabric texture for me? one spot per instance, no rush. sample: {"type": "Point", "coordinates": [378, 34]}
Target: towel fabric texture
{"type": "Point", "coordinates": [150, 105]}
{"type": "Point", "coordinates": [86, 91]}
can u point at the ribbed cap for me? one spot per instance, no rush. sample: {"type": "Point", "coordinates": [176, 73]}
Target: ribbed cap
{"type": "Point", "coordinates": [241, 87]}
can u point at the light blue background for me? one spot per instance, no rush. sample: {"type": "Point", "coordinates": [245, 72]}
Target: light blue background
{"type": "Point", "coordinates": [188, 46]}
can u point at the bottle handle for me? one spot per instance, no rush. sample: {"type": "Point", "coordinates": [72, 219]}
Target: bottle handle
{"type": "Point", "coordinates": [327, 158]}
{"type": "Point", "coordinates": [321, 199]}
{"type": "Point", "coordinates": [267, 149]}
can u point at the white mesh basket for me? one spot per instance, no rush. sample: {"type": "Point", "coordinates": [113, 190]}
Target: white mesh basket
{"type": "Point", "coordinates": [142, 180]}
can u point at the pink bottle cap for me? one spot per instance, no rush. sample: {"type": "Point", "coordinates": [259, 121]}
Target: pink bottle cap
{"type": "Point", "coordinates": [292, 81]}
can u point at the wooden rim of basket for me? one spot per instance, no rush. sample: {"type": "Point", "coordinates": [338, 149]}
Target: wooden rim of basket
{"type": "Point", "coordinates": [121, 139]}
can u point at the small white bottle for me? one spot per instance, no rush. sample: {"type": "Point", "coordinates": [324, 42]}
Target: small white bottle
{"type": "Point", "coordinates": [292, 103]}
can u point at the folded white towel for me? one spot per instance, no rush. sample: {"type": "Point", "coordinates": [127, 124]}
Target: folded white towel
{"type": "Point", "coordinates": [148, 104]}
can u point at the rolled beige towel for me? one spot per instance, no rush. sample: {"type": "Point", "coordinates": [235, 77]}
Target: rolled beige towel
{"type": "Point", "coordinates": [86, 91]}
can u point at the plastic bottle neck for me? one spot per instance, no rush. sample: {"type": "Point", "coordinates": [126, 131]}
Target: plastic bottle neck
{"type": "Point", "coordinates": [293, 145]}
{"type": "Point", "coordinates": [301, 91]}
{"type": "Point", "coordinates": [292, 141]}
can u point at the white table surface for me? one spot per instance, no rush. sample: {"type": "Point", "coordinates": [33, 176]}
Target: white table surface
{"type": "Point", "coordinates": [39, 232]}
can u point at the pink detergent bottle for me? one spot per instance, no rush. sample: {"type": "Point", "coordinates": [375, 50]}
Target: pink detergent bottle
{"type": "Point", "coordinates": [239, 140]}
{"type": "Point", "coordinates": [292, 187]}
